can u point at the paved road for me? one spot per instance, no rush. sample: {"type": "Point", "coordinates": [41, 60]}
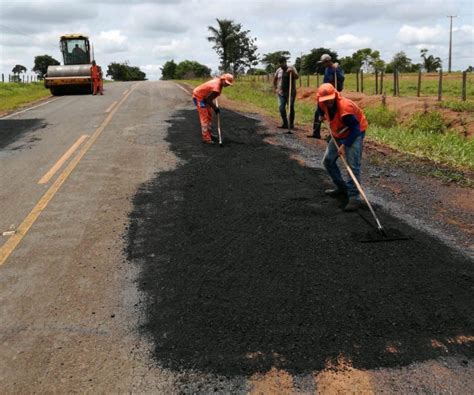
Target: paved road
{"type": "Point", "coordinates": [81, 300]}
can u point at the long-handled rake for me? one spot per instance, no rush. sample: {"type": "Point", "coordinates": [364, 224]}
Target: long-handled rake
{"type": "Point", "coordinates": [219, 125]}
{"type": "Point", "coordinates": [381, 233]}
{"type": "Point", "coordinates": [289, 102]}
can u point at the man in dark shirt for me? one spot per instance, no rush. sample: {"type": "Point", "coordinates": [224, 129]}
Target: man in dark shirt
{"type": "Point", "coordinates": [332, 72]}
{"type": "Point", "coordinates": [281, 83]}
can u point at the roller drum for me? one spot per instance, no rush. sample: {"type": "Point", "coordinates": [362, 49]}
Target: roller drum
{"type": "Point", "coordinates": [78, 70]}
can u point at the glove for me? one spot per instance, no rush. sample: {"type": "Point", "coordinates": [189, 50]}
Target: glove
{"type": "Point", "coordinates": [217, 110]}
{"type": "Point", "coordinates": [317, 129]}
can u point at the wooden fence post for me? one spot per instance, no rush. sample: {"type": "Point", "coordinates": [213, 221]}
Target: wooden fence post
{"type": "Point", "coordinates": [376, 82]}
{"type": "Point", "coordinates": [440, 85]}
{"type": "Point", "coordinates": [381, 81]}
{"type": "Point", "coordinates": [317, 79]}
{"type": "Point", "coordinates": [362, 81]}
{"type": "Point", "coordinates": [357, 80]}
{"type": "Point", "coordinates": [307, 80]}
{"type": "Point", "coordinates": [418, 88]}
{"type": "Point", "coordinates": [394, 82]}
{"type": "Point", "coordinates": [398, 83]}
{"type": "Point", "coordinates": [464, 83]}
{"type": "Point", "coordinates": [3, 77]}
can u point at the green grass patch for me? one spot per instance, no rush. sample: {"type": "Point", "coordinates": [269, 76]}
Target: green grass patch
{"type": "Point", "coordinates": [13, 95]}
{"type": "Point", "coordinates": [458, 106]}
{"type": "Point", "coordinates": [381, 116]}
{"type": "Point", "coordinates": [446, 148]}
{"type": "Point", "coordinates": [430, 122]}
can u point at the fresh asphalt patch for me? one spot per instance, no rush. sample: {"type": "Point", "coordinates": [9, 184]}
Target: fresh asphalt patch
{"type": "Point", "coordinates": [245, 265]}
{"type": "Point", "coordinates": [12, 130]}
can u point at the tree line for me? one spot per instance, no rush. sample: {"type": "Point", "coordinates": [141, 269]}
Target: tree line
{"type": "Point", "coordinates": [237, 52]}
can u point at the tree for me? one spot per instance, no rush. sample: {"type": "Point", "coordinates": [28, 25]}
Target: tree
{"type": "Point", "coordinates": [401, 62]}
{"type": "Point", "coordinates": [124, 72]}
{"type": "Point", "coordinates": [41, 65]}
{"type": "Point", "coordinates": [17, 70]}
{"type": "Point", "coordinates": [191, 69]}
{"type": "Point", "coordinates": [168, 72]}
{"type": "Point", "coordinates": [430, 63]}
{"type": "Point", "coordinates": [236, 49]}
{"type": "Point", "coordinates": [271, 60]}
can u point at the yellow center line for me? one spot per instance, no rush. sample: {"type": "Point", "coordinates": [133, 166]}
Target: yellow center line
{"type": "Point", "coordinates": [61, 161]}
{"type": "Point", "coordinates": [111, 106]}
{"type": "Point", "coordinates": [13, 241]}
{"type": "Point", "coordinates": [124, 93]}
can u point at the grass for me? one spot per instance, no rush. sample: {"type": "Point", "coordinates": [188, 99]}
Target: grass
{"type": "Point", "coordinates": [13, 94]}
{"type": "Point", "coordinates": [425, 135]}
{"type": "Point", "coordinates": [451, 87]}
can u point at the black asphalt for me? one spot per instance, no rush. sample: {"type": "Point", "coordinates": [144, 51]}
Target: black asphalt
{"type": "Point", "coordinates": [12, 130]}
{"type": "Point", "coordinates": [245, 264]}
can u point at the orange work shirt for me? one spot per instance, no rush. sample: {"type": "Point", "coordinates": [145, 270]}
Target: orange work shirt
{"type": "Point", "coordinates": [345, 107]}
{"type": "Point", "coordinates": [95, 72]}
{"type": "Point", "coordinates": [203, 90]}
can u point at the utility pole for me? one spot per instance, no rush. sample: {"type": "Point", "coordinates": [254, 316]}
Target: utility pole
{"type": "Point", "coordinates": [450, 39]}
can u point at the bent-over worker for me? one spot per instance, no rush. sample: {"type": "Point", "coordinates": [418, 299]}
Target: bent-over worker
{"type": "Point", "coordinates": [203, 98]}
{"type": "Point", "coordinates": [347, 125]}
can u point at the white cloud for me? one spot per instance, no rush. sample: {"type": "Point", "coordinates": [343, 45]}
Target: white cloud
{"type": "Point", "coordinates": [412, 35]}
{"type": "Point", "coordinates": [111, 41]}
{"type": "Point", "coordinates": [351, 41]}
{"type": "Point", "coordinates": [151, 32]}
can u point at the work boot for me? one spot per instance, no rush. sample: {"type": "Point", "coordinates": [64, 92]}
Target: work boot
{"type": "Point", "coordinates": [353, 205]}
{"type": "Point", "coordinates": [336, 192]}
{"type": "Point", "coordinates": [283, 126]}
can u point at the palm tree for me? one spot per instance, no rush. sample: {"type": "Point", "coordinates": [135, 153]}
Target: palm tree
{"type": "Point", "coordinates": [430, 63]}
{"type": "Point", "coordinates": [223, 38]}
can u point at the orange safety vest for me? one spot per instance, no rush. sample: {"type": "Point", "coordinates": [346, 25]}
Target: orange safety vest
{"type": "Point", "coordinates": [345, 107]}
{"type": "Point", "coordinates": [203, 90]}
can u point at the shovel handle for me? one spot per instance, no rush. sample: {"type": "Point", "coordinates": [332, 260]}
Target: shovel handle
{"type": "Point", "coordinates": [359, 187]}
{"type": "Point", "coordinates": [219, 124]}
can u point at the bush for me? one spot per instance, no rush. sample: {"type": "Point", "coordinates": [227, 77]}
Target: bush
{"type": "Point", "coordinates": [427, 122]}
{"type": "Point", "coordinates": [381, 116]}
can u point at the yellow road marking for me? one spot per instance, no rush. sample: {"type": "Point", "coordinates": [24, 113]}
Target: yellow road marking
{"type": "Point", "coordinates": [124, 93]}
{"type": "Point", "coordinates": [13, 241]}
{"type": "Point", "coordinates": [61, 161]}
{"type": "Point", "coordinates": [111, 106]}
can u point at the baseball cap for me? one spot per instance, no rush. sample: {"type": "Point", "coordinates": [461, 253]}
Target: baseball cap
{"type": "Point", "coordinates": [325, 58]}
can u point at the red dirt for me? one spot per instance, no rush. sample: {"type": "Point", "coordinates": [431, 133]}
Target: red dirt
{"type": "Point", "coordinates": [462, 122]}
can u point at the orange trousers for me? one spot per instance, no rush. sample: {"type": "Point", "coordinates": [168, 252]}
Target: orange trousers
{"type": "Point", "coordinates": [205, 117]}
{"type": "Point", "coordinates": [97, 85]}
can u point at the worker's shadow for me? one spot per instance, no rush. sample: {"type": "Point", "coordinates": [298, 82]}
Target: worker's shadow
{"type": "Point", "coordinates": [247, 266]}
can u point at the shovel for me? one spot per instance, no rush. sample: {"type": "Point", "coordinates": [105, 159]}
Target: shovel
{"type": "Point", "coordinates": [219, 126]}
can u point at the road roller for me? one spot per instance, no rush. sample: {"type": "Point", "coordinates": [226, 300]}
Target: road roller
{"type": "Point", "coordinates": [75, 75]}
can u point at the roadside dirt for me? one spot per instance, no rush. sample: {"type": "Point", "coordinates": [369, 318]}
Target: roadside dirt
{"type": "Point", "coordinates": [461, 122]}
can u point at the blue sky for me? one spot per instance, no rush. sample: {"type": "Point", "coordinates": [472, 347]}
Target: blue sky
{"type": "Point", "coordinates": [148, 33]}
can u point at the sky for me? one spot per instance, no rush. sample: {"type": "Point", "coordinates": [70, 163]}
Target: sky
{"type": "Point", "coordinates": [149, 33]}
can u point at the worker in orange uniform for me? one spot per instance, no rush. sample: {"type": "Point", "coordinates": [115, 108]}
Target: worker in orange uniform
{"type": "Point", "coordinates": [347, 124]}
{"type": "Point", "coordinates": [95, 75]}
{"type": "Point", "coordinates": [203, 98]}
